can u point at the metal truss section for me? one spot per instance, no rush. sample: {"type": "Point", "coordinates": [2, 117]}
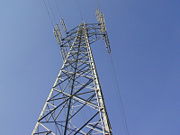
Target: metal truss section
{"type": "Point", "coordinates": [75, 105]}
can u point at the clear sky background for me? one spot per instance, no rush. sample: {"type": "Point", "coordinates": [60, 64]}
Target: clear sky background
{"type": "Point", "coordinates": [145, 41]}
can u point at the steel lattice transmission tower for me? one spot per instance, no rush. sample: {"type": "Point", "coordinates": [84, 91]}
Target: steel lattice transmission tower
{"type": "Point", "coordinates": [75, 105]}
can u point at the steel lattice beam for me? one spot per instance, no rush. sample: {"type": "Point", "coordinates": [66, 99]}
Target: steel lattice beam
{"type": "Point", "coordinates": [75, 105]}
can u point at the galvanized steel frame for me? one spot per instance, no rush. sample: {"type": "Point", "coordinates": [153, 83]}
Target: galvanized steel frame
{"type": "Point", "coordinates": [76, 91]}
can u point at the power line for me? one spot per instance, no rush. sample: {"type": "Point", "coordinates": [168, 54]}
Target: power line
{"type": "Point", "coordinates": [79, 10]}
{"type": "Point", "coordinates": [57, 8]}
{"type": "Point", "coordinates": [119, 94]}
{"type": "Point", "coordinates": [48, 12]}
{"type": "Point", "coordinates": [52, 11]}
{"type": "Point", "coordinates": [98, 4]}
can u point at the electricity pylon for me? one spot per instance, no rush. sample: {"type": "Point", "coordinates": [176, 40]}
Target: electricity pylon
{"type": "Point", "coordinates": [75, 105]}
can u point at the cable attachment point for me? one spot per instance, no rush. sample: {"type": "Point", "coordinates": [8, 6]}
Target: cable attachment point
{"type": "Point", "coordinates": [63, 25]}
{"type": "Point", "coordinates": [57, 34]}
{"type": "Point", "coordinates": [101, 20]}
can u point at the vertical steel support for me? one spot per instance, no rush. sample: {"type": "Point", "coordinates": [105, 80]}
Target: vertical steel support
{"type": "Point", "coordinates": [98, 90]}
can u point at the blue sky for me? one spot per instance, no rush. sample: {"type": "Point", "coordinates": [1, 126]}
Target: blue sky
{"type": "Point", "coordinates": [145, 41]}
